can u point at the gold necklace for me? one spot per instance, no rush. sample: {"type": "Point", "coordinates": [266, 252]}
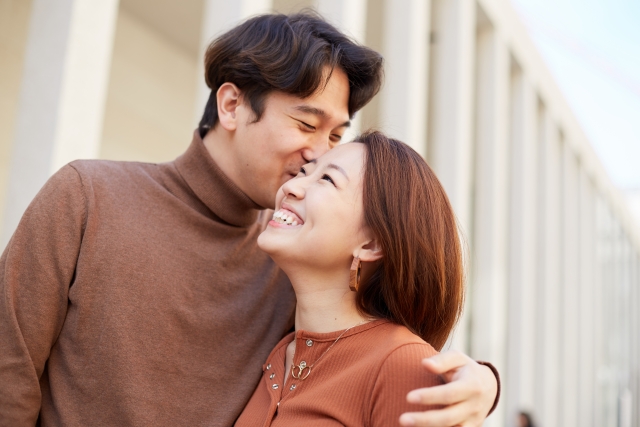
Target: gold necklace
{"type": "Point", "coordinates": [304, 370]}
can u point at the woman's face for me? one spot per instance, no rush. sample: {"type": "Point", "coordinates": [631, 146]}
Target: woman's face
{"type": "Point", "coordinates": [318, 221]}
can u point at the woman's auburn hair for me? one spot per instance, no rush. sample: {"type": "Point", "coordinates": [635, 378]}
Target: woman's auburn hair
{"type": "Point", "coordinates": [419, 282]}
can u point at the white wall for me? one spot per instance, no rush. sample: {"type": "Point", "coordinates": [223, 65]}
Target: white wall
{"type": "Point", "coordinates": [14, 26]}
{"type": "Point", "coordinates": [150, 107]}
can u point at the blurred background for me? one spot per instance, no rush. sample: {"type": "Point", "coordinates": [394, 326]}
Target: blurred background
{"type": "Point", "coordinates": [528, 110]}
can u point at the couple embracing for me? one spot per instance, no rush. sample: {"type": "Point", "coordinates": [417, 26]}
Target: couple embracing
{"type": "Point", "coordinates": [269, 276]}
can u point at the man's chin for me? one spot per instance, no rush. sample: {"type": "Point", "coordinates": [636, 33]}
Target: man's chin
{"type": "Point", "coordinates": [264, 203]}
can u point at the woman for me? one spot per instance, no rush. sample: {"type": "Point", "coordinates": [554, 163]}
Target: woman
{"type": "Point", "coordinates": [369, 241]}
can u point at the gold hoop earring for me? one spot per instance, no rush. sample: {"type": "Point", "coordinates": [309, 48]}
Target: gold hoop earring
{"type": "Point", "coordinates": [354, 274]}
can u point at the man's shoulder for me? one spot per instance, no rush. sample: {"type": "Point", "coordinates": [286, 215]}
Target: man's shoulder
{"type": "Point", "coordinates": [112, 168]}
{"type": "Point", "coordinates": [120, 174]}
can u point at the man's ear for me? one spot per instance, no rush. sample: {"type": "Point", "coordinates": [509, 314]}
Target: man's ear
{"type": "Point", "coordinates": [369, 251]}
{"type": "Point", "coordinates": [228, 99]}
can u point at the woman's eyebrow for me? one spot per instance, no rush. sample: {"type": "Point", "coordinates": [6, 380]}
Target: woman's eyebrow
{"type": "Point", "coordinates": [339, 169]}
{"type": "Point", "coordinates": [332, 166]}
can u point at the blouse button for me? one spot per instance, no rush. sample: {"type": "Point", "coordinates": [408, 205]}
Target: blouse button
{"type": "Point", "coordinates": [275, 386]}
{"type": "Point", "coordinates": [269, 366]}
{"type": "Point", "coordinates": [309, 343]}
{"type": "Point", "coordinates": [293, 387]}
{"type": "Point", "coordinates": [271, 376]}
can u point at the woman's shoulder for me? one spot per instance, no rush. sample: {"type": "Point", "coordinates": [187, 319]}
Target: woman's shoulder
{"type": "Point", "coordinates": [399, 370]}
{"type": "Point", "coordinates": [392, 338]}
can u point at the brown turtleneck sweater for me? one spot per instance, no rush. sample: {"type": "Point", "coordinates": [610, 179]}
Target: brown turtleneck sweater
{"type": "Point", "coordinates": [134, 294]}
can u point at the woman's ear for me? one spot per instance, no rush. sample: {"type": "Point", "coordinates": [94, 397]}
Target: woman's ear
{"type": "Point", "coordinates": [369, 252]}
{"type": "Point", "coordinates": [228, 99]}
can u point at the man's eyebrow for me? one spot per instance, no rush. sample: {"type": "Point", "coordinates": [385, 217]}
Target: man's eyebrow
{"type": "Point", "coordinates": [308, 109]}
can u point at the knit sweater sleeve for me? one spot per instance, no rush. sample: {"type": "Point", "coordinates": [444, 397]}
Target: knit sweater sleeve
{"type": "Point", "coordinates": [401, 372]}
{"type": "Point", "coordinates": [36, 270]}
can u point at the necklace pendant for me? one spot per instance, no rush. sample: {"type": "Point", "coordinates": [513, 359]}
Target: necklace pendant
{"type": "Point", "coordinates": [304, 373]}
{"type": "Point", "coordinates": [300, 372]}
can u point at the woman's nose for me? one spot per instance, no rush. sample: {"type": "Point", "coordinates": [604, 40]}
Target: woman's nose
{"type": "Point", "coordinates": [295, 187]}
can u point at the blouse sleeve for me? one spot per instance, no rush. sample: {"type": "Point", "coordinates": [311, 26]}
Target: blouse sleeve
{"type": "Point", "coordinates": [401, 373]}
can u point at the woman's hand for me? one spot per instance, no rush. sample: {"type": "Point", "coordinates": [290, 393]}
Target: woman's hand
{"type": "Point", "coordinates": [468, 396]}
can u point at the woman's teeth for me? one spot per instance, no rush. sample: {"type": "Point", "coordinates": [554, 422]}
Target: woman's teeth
{"type": "Point", "coordinates": [283, 218]}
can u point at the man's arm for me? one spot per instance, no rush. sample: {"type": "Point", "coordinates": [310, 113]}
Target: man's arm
{"type": "Point", "coordinates": [36, 270]}
{"type": "Point", "coordinates": [471, 393]}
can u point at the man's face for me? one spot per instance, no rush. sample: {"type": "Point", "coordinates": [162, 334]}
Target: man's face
{"type": "Point", "coordinates": [291, 132]}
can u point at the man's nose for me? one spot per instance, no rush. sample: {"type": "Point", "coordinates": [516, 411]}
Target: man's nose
{"type": "Point", "coordinates": [317, 146]}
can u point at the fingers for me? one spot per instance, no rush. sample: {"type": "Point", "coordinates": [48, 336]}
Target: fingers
{"type": "Point", "coordinates": [446, 394]}
{"type": "Point", "coordinates": [446, 361]}
{"type": "Point", "coordinates": [447, 417]}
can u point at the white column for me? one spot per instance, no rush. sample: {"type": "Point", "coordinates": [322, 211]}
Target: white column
{"type": "Point", "coordinates": [63, 94]}
{"type": "Point", "coordinates": [490, 259]}
{"type": "Point", "coordinates": [403, 99]}
{"type": "Point", "coordinates": [451, 110]}
{"type": "Point", "coordinates": [636, 333]}
{"type": "Point", "coordinates": [586, 302]}
{"type": "Point", "coordinates": [549, 279]}
{"type": "Point", "coordinates": [570, 288]}
{"type": "Point", "coordinates": [520, 373]}
{"type": "Point", "coordinates": [350, 17]}
{"type": "Point", "coordinates": [218, 17]}
{"type": "Point", "coordinates": [599, 307]}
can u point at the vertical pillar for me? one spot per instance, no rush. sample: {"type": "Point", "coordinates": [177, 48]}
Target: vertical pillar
{"type": "Point", "coordinates": [599, 308]}
{"type": "Point", "coordinates": [218, 17]}
{"type": "Point", "coordinates": [569, 286]}
{"type": "Point", "coordinates": [451, 110]}
{"type": "Point", "coordinates": [636, 334]}
{"type": "Point", "coordinates": [625, 397]}
{"type": "Point", "coordinates": [490, 255]}
{"type": "Point", "coordinates": [14, 27]}
{"type": "Point", "coordinates": [519, 376]}
{"type": "Point", "coordinates": [613, 323]}
{"type": "Point", "coordinates": [403, 99]}
{"type": "Point", "coordinates": [549, 279]}
{"type": "Point", "coordinates": [351, 18]}
{"type": "Point", "coordinates": [63, 95]}
{"type": "Point", "coordinates": [585, 297]}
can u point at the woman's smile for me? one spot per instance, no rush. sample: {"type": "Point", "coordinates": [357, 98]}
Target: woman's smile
{"type": "Point", "coordinates": [286, 217]}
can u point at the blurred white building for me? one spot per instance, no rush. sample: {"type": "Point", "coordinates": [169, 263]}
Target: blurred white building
{"type": "Point", "coordinates": [554, 260]}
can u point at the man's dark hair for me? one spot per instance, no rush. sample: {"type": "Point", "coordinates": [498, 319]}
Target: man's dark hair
{"type": "Point", "coordinates": [290, 54]}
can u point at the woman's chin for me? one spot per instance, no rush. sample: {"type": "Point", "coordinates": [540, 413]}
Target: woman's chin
{"type": "Point", "coordinates": [270, 242]}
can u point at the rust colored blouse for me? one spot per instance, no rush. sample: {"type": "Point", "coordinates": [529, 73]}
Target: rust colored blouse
{"type": "Point", "coordinates": [362, 381]}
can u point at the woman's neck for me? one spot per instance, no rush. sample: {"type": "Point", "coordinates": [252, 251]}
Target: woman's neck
{"type": "Point", "coordinates": [324, 302]}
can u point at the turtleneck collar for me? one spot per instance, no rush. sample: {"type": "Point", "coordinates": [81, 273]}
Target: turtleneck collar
{"type": "Point", "coordinates": [221, 195]}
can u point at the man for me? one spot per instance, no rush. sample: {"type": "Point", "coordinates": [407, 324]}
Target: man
{"type": "Point", "coordinates": [135, 294]}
